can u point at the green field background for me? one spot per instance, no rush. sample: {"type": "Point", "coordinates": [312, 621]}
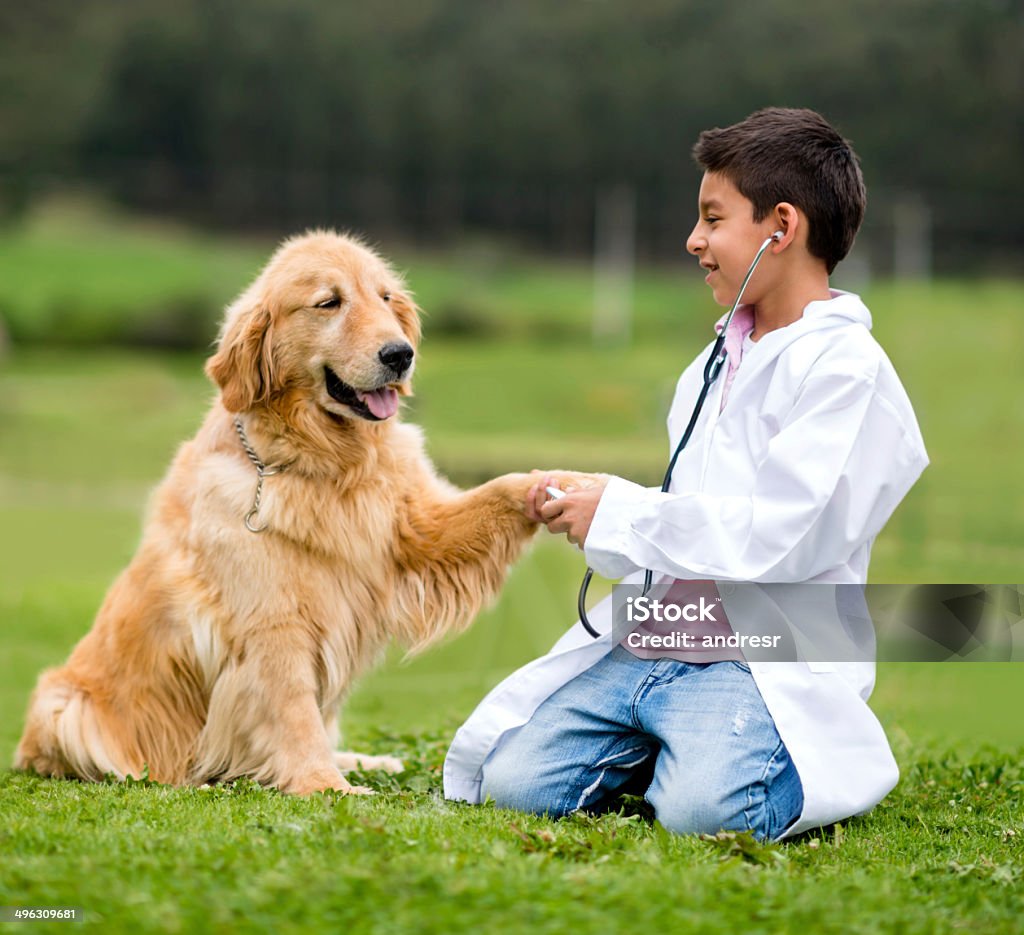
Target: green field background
{"type": "Point", "coordinates": [508, 379]}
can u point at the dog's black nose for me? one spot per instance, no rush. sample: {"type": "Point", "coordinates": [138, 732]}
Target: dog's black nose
{"type": "Point", "coordinates": [396, 356]}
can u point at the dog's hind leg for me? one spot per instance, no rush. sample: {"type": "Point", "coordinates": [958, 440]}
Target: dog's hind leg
{"type": "Point", "coordinates": [63, 734]}
{"type": "Point", "coordinates": [346, 760]}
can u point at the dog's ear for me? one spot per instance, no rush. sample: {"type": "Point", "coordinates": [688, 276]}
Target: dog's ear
{"type": "Point", "coordinates": [408, 314]}
{"type": "Point", "coordinates": [243, 366]}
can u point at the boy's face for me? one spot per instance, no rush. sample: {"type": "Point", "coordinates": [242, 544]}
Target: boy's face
{"type": "Point", "coordinates": [726, 238]}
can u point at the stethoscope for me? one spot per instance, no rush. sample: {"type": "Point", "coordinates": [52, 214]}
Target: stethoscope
{"type": "Point", "coordinates": [711, 371]}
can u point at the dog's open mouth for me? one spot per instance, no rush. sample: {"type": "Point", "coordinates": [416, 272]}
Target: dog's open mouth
{"type": "Point", "coordinates": [375, 405]}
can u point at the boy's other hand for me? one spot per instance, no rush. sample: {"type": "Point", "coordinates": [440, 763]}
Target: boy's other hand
{"type": "Point", "coordinates": [573, 513]}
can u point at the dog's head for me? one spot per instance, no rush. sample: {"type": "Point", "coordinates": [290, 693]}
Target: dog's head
{"type": "Point", "coordinates": [326, 318]}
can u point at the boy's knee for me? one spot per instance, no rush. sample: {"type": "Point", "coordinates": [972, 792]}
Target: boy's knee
{"type": "Point", "coordinates": [765, 816]}
{"type": "Point", "coordinates": [693, 812]}
{"type": "Point", "coordinates": [508, 783]}
{"type": "Point", "coordinates": [698, 814]}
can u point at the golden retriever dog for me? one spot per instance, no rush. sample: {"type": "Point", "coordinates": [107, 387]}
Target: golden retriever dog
{"type": "Point", "coordinates": [299, 532]}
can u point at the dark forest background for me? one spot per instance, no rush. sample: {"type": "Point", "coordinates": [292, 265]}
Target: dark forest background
{"type": "Point", "coordinates": [425, 119]}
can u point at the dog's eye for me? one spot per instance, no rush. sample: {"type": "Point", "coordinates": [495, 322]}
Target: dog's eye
{"type": "Point", "coordinates": [333, 302]}
{"type": "Point", "coordinates": [386, 296]}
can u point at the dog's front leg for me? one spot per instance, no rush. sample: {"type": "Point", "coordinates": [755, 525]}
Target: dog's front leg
{"type": "Point", "coordinates": [455, 551]}
{"type": "Point", "coordinates": [264, 721]}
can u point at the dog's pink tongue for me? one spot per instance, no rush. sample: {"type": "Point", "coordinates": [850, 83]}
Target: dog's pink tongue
{"type": "Point", "coordinates": [383, 403]}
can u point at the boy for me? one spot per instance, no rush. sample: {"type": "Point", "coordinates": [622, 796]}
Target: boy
{"type": "Point", "coordinates": [804, 448]}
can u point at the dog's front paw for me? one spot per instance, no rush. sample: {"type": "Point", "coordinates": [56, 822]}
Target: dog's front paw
{"type": "Point", "coordinates": [514, 489]}
{"type": "Point", "coordinates": [320, 780]}
{"type": "Point", "coordinates": [574, 480]}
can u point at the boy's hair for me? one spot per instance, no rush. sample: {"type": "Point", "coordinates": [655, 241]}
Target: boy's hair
{"type": "Point", "coordinates": [795, 155]}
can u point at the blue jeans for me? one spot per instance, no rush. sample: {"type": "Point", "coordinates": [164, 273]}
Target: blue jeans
{"type": "Point", "coordinates": [695, 738]}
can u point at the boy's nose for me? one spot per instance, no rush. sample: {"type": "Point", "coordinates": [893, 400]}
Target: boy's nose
{"type": "Point", "coordinates": [695, 244]}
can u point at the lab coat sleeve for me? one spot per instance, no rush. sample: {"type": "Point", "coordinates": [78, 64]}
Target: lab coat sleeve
{"type": "Point", "coordinates": [829, 480]}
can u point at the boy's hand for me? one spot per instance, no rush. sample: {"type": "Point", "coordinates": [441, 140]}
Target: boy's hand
{"type": "Point", "coordinates": [574, 512]}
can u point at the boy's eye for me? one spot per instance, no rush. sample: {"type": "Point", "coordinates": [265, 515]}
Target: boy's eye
{"type": "Point", "coordinates": [711, 220]}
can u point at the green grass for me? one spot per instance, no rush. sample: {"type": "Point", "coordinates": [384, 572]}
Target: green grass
{"type": "Point", "coordinates": [85, 434]}
{"type": "Point", "coordinates": [943, 853]}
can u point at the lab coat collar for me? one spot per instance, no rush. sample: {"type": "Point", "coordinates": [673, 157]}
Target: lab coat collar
{"type": "Point", "coordinates": [841, 309]}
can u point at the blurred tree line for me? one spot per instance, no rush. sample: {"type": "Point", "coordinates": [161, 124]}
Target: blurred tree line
{"type": "Point", "coordinates": [425, 118]}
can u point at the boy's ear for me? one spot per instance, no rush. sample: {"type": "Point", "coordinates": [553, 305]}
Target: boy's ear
{"type": "Point", "coordinates": [243, 366]}
{"type": "Point", "coordinates": [787, 219]}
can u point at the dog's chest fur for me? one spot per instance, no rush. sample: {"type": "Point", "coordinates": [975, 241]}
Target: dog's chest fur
{"type": "Point", "coordinates": [322, 571]}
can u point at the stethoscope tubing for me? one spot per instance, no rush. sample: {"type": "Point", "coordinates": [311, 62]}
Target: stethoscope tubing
{"type": "Point", "coordinates": [712, 369]}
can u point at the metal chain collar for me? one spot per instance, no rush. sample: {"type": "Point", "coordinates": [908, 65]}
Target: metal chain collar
{"type": "Point", "coordinates": [261, 471]}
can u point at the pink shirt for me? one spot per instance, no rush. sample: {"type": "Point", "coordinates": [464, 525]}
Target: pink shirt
{"type": "Point", "coordinates": [740, 327]}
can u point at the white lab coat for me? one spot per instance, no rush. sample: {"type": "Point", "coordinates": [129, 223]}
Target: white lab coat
{"type": "Point", "coordinates": [814, 449]}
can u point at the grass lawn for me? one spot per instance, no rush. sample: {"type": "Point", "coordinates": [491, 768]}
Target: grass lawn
{"type": "Point", "coordinates": [85, 434]}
